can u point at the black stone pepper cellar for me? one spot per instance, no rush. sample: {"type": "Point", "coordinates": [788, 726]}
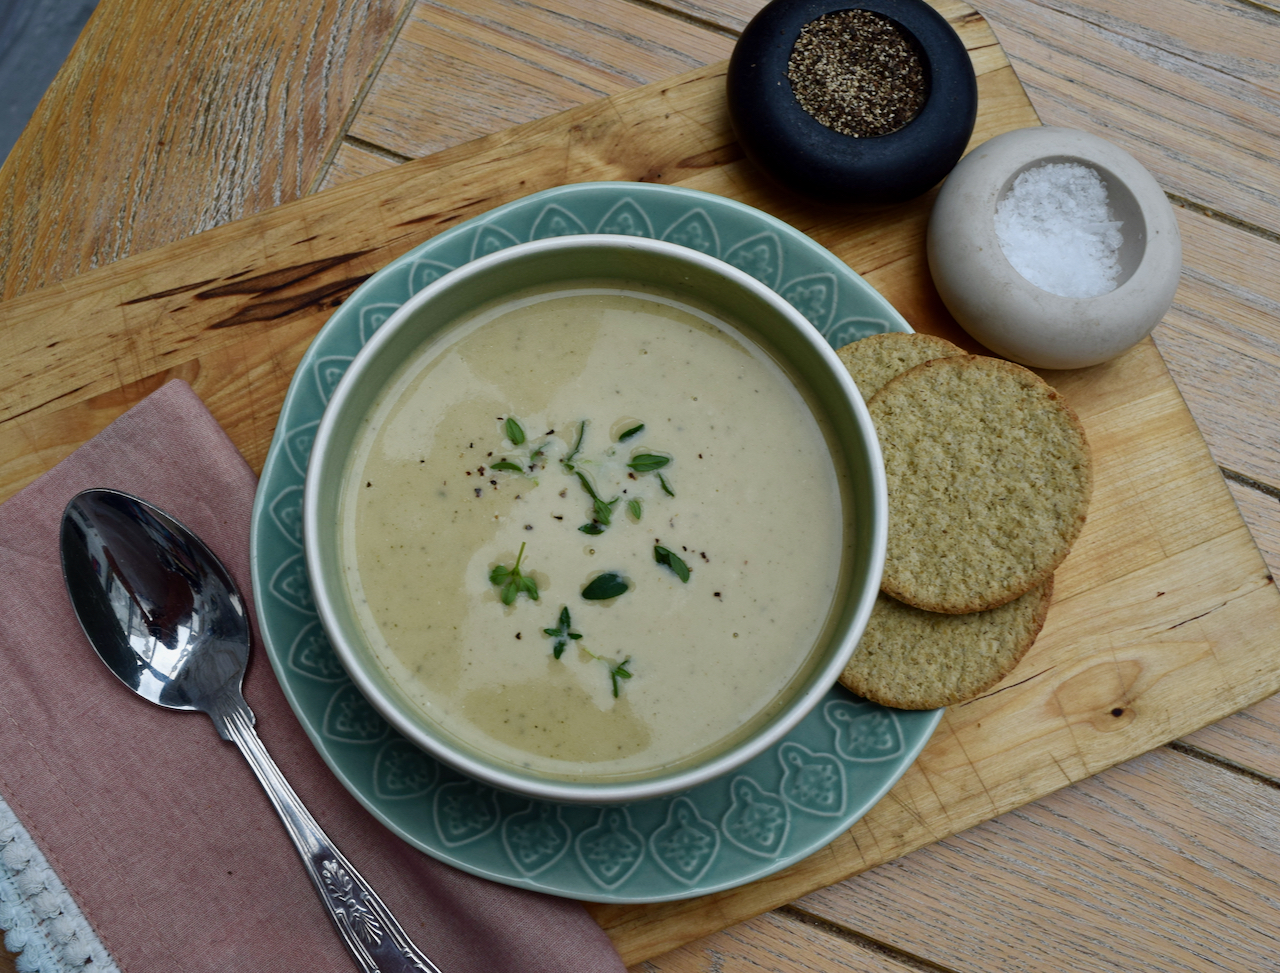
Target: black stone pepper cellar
{"type": "Point", "coordinates": [779, 90]}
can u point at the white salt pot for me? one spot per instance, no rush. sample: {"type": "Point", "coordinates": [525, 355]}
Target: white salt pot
{"type": "Point", "coordinates": [1003, 310]}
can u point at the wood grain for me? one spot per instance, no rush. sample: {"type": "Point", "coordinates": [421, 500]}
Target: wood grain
{"type": "Point", "coordinates": [171, 117]}
{"type": "Point", "coordinates": [1261, 511]}
{"type": "Point", "coordinates": [490, 64]}
{"type": "Point", "coordinates": [1180, 852]}
{"type": "Point", "coordinates": [775, 942]}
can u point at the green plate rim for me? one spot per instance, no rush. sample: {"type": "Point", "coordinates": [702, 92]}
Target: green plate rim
{"type": "Point", "coordinates": [658, 866]}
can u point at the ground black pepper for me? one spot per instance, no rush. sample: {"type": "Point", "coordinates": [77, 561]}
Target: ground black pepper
{"type": "Point", "coordinates": [857, 72]}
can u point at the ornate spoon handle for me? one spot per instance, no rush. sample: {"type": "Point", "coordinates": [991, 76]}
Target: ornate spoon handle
{"type": "Point", "coordinates": [370, 931]}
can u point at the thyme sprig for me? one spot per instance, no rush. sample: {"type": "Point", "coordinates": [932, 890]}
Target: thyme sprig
{"type": "Point", "coordinates": [511, 582]}
{"type": "Point", "coordinates": [672, 560]}
{"type": "Point", "coordinates": [561, 633]}
{"type": "Point", "coordinates": [619, 672]}
{"type": "Point", "coordinates": [648, 462]}
{"type": "Point", "coordinates": [514, 431]}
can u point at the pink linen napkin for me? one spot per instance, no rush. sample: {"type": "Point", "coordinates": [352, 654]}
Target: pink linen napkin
{"type": "Point", "coordinates": [156, 826]}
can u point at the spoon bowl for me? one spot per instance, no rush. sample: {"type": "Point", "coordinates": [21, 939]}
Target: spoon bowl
{"type": "Point", "coordinates": [156, 605]}
{"type": "Point", "coordinates": [166, 617]}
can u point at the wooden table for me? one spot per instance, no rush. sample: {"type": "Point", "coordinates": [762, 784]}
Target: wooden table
{"type": "Point", "coordinates": [171, 118]}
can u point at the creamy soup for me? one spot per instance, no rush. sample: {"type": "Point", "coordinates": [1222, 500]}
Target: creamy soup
{"type": "Point", "coordinates": [593, 532]}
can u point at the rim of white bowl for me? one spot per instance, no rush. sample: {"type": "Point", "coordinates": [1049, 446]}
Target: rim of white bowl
{"type": "Point", "coordinates": [593, 792]}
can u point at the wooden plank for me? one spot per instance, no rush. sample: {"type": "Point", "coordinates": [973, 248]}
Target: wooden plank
{"type": "Point", "coordinates": [1261, 511]}
{"type": "Point", "coordinates": [1249, 740]}
{"type": "Point", "coordinates": [1163, 863]}
{"type": "Point", "coordinates": [353, 161]}
{"type": "Point", "coordinates": [171, 152]}
{"type": "Point", "coordinates": [729, 14]}
{"type": "Point", "coordinates": [1221, 341]}
{"type": "Point", "coordinates": [775, 942]}
{"type": "Point", "coordinates": [490, 64]}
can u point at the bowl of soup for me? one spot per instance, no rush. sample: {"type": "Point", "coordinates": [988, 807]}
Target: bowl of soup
{"type": "Point", "coordinates": [595, 518]}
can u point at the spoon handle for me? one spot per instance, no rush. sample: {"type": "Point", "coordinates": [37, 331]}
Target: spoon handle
{"type": "Point", "coordinates": [368, 928]}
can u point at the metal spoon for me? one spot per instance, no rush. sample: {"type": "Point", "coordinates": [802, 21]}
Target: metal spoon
{"type": "Point", "coordinates": [165, 616]}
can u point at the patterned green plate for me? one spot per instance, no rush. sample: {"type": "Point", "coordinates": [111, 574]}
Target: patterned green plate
{"type": "Point", "coordinates": [786, 804]}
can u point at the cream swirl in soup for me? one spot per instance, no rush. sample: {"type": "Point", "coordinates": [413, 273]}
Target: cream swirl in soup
{"type": "Point", "coordinates": [594, 532]}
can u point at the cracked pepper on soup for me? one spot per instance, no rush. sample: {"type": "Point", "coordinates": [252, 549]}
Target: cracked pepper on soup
{"type": "Point", "coordinates": [593, 532]}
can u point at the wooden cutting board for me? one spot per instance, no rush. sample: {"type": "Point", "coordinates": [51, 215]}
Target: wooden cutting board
{"type": "Point", "coordinates": [1164, 616]}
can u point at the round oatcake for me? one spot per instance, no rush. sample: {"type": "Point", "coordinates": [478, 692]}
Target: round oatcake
{"type": "Point", "coordinates": [989, 478]}
{"type": "Point", "coordinates": [872, 361]}
{"type": "Point", "coordinates": [914, 659]}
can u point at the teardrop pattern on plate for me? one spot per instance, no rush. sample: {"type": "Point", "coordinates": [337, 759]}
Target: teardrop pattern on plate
{"type": "Point", "coordinates": [686, 844]}
{"type": "Point", "coordinates": [813, 296]}
{"type": "Point", "coordinates": [465, 811]}
{"type": "Point", "coordinates": [328, 373]}
{"type": "Point", "coordinates": [350, 719]}
{"type": "Point", "coordinates": [298, 443]}
{"type": "Point", "coordinates": [426, 272]}
{"type": "Point", "coordinates": [373, 317]}
{"type": "Point", "coordinates": [535, 838]}
{"type": "Point", "coordinates": [292, 585]}
{"type": "Point", "coordinates": [855, 329]}
{"type": "Point", "coordinates": [760, 256]}
{"type": "Point", "coordinates": [811, 781]}
{"type": "Point", "coordinates": [865, 732]}
{"type": "Point", "coordinates": [626, 219]}
{"type": "Point", "coordinates": [610, 850]}
{"type": "Point", "coordinates": [402, 771]}
{"type": "Point", "coordinates": [756, 821]}
{"type": "Point", "coordinates": [286, 512]}
{"type": "Point", "coordinates": [556, 221]}
{"type": "Point", "coordinates": [313, 655]}
{"type": "Point", "coordinates": [491, 239]}
{"type": "Point", "coordinates": [695, 231]}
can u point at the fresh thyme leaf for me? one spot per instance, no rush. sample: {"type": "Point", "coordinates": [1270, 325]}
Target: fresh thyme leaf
{"type": "Point", "coordinates": [514, 432]}
{"type": "Point", "coordinates": [633, 431]}
{"type": "Point", "coordinates": [511, 582]}
{"type": "Point", "coordinates": [504, 464]}
{"type": "Point", "coordinates": [604, 511]}
{"type": "Point", "coordinates": [648, 462]}
{"type": "Point", "coordinates": [619, 672]}
{"type": "Point", "coordinates": [605, 586]}
{"type": "Point", "coordinates": [586, 485]}
{"type": "Point", "coordinates": [635, 507]}
{"type": "Point", "coordinates": [666, 487]}
{"type": "Point", "coordinates": [672, 560]}
{"type": "Point", "coordinates": [561, 633]}
{"type": "Point", "coordinates": [591, 528]}
{"type": "Point", "coordinates": [567, 462]}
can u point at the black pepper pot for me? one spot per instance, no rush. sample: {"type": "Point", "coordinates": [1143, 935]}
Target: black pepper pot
{"type": "Point", "coordinates": [789, 144]}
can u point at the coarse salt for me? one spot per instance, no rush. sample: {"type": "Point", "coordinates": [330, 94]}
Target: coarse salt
{"type": "Point", "coordinates": [1056, 228]}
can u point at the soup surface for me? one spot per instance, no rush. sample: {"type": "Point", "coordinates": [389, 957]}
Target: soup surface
{"type": "Point", "coordinates": [593, 532]}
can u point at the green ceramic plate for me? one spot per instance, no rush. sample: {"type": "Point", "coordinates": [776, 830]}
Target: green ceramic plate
{"type": "Point", "coordinates": [782, 806]}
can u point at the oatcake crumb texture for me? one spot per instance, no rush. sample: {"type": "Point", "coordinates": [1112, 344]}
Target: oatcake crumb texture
{"type": "Point", "coordinates": [914, 659]}
{"type": "Point", "coordinates": [989, 479]}
{"type": "Point", "coordinates": [873, 361]}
